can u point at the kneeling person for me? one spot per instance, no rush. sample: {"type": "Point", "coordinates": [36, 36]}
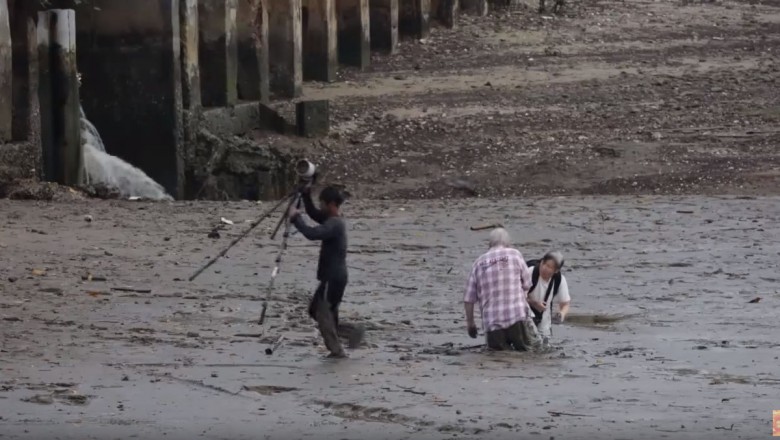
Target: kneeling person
{"type": "Point", "coordinates": [547, 285]}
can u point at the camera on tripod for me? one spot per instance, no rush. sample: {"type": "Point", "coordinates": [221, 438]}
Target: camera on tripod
{"type": "Point", "coordinates": [307, 172]}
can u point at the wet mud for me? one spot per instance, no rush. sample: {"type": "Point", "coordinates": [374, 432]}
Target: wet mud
{"type": "Point", "coordinates": [102, 336]}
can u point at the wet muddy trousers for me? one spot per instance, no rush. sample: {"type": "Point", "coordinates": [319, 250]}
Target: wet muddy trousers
{"type": "Point", "coordinates": [520, 336]}
{"type": "Point", "coordinates": [324, 308]}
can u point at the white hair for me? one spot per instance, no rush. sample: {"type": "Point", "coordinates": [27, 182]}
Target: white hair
{"type": "Point", "coordinates": [499, 237]}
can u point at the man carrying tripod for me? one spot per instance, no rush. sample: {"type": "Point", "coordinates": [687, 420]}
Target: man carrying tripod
{"type": "Point", "coordinates": [332, 266]}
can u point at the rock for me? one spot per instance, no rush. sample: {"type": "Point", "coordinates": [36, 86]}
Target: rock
{"type": "Point", "coordinates": [88, 218]}
{"type": "Point", "coordinates": [12, 279]}
{"type": "Point", "coordinates": [193, 335]}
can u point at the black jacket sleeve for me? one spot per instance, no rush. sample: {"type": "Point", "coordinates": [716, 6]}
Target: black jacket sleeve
{"type": "Point", "coordinates": [311, 210]}
{"type": "Point", "coordinates": [322, 232]}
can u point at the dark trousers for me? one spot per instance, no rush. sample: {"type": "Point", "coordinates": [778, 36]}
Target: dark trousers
{"type": "Point", "coordinates": [512, 337]}
{"type": "Point", "coordinates": [324, 308]}
{"type": "Point", "coordinates": [332, 293]}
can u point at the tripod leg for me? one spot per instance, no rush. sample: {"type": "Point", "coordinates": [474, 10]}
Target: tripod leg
{"type": "Point", "coordinates": [293, 199]}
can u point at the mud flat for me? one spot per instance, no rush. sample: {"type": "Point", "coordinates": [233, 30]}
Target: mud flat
{"type": "Point", "coordinates": [101, 338]}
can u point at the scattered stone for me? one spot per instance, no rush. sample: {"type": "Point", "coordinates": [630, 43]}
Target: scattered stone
{"type": "Point", "coordinates": [88, 218]}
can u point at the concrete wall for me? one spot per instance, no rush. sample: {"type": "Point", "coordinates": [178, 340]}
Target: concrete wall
{"type": "Point", "coordinates": [129, 59]}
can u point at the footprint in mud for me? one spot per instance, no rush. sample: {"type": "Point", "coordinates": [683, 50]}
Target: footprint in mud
{"type": "Point", "coordinates": [268, 390]}
{"type": "Point", "coordinates": [353, 411]}
{"type": "Point", "coordinates": [66, 396]}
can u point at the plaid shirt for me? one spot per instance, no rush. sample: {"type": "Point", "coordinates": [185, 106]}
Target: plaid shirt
{"type": "Point", "coordinates": [499, 280]}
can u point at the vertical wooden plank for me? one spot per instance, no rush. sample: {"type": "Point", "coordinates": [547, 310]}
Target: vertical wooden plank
{"type": "Point", "coordinates": [6, 75]}
{"type": "Point", "coordinates": [219, 52]}
{"type": "Point", "coordinates": [49, 151]}
{"type": "Point", "coordinates": [231, 50]}
{"type": "Point", "coordinates": [261, 27]}
{"type": "Point", "coordinates": [189, 54]}
{"type": "Point", "coordinates": [383, 17]}
{"type": "Point", "coordinates": [65, 97]}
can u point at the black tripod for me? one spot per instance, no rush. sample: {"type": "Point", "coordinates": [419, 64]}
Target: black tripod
{"type": "Point", "coordinates": [295, 200]}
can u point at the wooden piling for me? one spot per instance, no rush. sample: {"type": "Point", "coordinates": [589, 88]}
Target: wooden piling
{"type": "Point", "coordinates": [49, 152]}
{"type": "Point", "coordinates": [219, 52]}
{"type": "Point", "coordinates": [6, 75]}
{"type": "Point", "coordinates": [384, 25]}
{"type": "Point", "coordinates": [285, 47]}
{"type": "Point", "coordinates": [59, 96]}
{"type": "Point", "coordinates": [354, 32]}
{"type": "Point", "coordinates": [189, 54]}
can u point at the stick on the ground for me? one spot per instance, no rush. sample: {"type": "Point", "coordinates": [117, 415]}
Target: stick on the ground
{"type": "Point", "coordinates": [485, 227]}
{"type": "Point", "coordinates": [277, 344]}
{"type": "Point", "coordinates": [239, 238]}
{"type": "Point", "coordinates": [557, 413]}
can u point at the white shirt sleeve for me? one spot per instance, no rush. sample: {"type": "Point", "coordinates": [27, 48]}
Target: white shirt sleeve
{"type": "Point", "coordinates": [563, 291]}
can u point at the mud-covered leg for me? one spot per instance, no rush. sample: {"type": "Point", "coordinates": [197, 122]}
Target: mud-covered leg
{"type": "Point", "coordinates": [328, 330]}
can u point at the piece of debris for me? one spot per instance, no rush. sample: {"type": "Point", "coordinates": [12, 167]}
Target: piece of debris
{"type": "Point", "coordinates": [38, 272]}
{"type": "Point", "coordinates": [131, 289]}
{"type": "Point", "coordinates": [90, 277]}
{"type": "Point", "coordinates": [88, 218]}
{"type": "Point", "coordinates": [486, 227]}
{"type": "Point", "coordinates": [754, 300]}
{"type": "Point", "coordinates": [214, 234]}
{"type": "Point", "coordinates": [226, 221]}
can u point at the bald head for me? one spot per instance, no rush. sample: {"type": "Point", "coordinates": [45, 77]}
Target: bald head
{"type": "Point", "coordinates": [499, 237]}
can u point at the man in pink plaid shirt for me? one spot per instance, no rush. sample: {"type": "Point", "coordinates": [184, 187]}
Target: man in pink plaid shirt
{"type": "Point", "coordinates": [499, 280]}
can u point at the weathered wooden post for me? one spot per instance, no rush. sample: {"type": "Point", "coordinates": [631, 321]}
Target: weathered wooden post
{"type": "Point", "coordinates": [414, 17]}
{"type": "Point", "coordinates": [189, 54]}
{"type": "Point", "coordinates": [59, 96]}
{"type": "Point", "coordinates": [354, 35]}
{"type": "Point", "coordinates": [285, 47]}
{"type": "Point", "coordinates": [384, 25]}
{"type": "Point", "coordinates": [320, 56]}
{"type": "Point", "coordinates": [448, 12]}
{"type": "Point", "coordinates": [218, 52]}
{"type": "Point", "coordinates": [6, 75]}
{"type": "Point", "coordinates": [252, 40]}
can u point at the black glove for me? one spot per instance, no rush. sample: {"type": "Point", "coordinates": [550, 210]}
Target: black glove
{"type": "Point", "coordinates": [473, 332]}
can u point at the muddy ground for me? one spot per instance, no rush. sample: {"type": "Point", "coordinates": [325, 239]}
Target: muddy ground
{"type": "Point", "coordinates": [672, 106]}
{"type": "Point", "coordinates": [612, 97]}
{"type": "Point", "coordinates": [102, 336]}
